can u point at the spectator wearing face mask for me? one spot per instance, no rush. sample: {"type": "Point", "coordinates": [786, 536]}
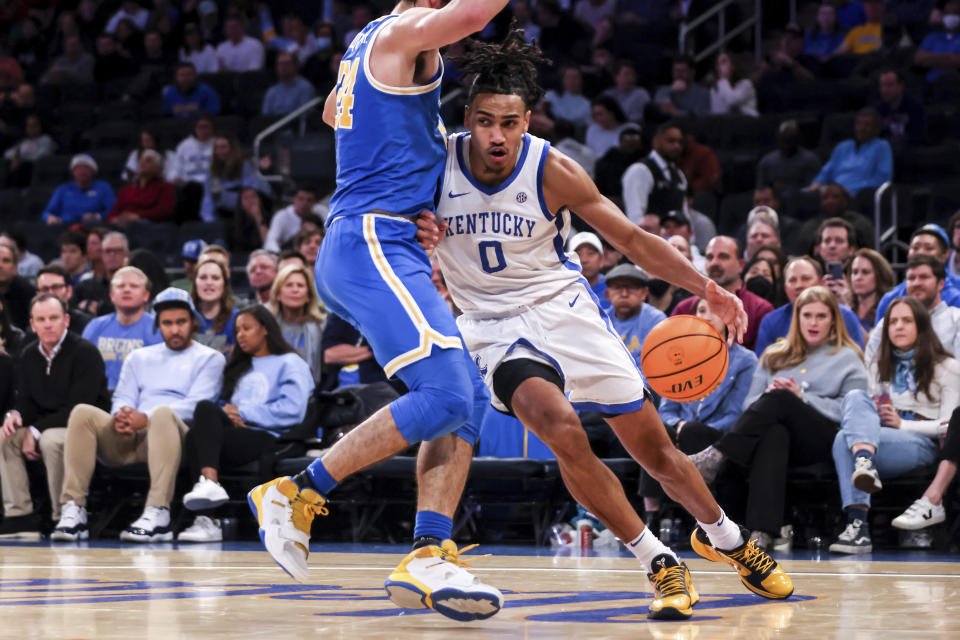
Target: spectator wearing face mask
{"type": "Point", "coordinates": [940, 51]}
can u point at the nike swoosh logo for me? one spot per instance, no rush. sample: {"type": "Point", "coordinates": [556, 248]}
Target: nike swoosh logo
{"type": "Point", "coordinates": [575, 301]}
{"type": "Point", "coordinates": [457, 195]}
{"type": "Point", "coordinates": [633, 544]}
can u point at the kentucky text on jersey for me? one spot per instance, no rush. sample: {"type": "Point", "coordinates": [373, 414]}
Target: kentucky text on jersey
{"type": "Point", "coordinates": [496, 221]}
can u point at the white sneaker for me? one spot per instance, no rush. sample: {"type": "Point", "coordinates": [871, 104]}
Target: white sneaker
{"type": "Point", "coordinates": [152, 526]}
{"type": "Point", "coordinates": [921, 514]}
{"type": "Point", "coordinates": [203, 529]}
{"type": "Point", "coordinates": [435, 577]}
{"type": "Point", "coordinates": [285, 514]}
{"type": "Point", "coordinates": [72, 525]}
{"type": "Point", "coordinates": [206, 494]}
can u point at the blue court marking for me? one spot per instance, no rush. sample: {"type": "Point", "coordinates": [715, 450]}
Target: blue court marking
{"type": "Point", "coordinates": [605, 615]}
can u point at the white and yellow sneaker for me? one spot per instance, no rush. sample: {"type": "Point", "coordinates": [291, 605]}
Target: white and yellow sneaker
{"type": "Point", "coordinates": [435, 577]}
{"type": "Point", "coordinates": [285, 513]}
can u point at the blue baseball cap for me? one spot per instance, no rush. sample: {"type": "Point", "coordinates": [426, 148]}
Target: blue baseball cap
{"type": "Point", "coordinates": [933, 229]}
{"type": "Point", "coordinates": [192, 249]}
{"type": "Point", "coordinates": [174, 298]}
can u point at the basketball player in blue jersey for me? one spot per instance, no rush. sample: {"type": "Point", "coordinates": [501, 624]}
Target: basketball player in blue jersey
{"type": "Point", "coordinates": [533, 324]}
{"type": "Point", "coordinates": [371, 271]}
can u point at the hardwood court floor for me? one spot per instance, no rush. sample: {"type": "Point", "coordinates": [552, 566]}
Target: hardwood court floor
{"type": "Point", "coordinates": [163, 593]}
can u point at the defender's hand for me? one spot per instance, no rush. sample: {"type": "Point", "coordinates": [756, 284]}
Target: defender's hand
{"type": "Point", "coordinates": [429, 230]}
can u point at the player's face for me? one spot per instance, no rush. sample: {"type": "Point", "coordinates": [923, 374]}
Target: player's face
{"type": "Point", "coordinates": [815, 323]}
{"type": "Point", "coordinates": [497, 123]}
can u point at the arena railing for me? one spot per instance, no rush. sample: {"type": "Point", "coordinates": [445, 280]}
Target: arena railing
{"type": "Point", "coordinates": [719, 11]}
{"type": "Point", "coordinates": [886, 232]}
{"type": "Point", "coordinates": [280, 125]}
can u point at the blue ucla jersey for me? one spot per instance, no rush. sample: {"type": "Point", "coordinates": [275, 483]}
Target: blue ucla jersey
{"type": "Point", "coordinates": [503, 248]}
{"type": "Point", "coordinates": [390, 143]}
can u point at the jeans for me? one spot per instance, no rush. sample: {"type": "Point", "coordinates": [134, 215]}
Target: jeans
{"type": "Point", "coordinates": [897, 451]}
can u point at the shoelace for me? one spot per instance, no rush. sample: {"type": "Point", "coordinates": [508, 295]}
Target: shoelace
{"type": "Point", "coordinates": [755, 558]}
{"type": "Point", "coordinates": [454, 556]}
{"type": "Point", "coordinates": [303, 511]}
{"type": "Point", "coordinates": [671, 581]}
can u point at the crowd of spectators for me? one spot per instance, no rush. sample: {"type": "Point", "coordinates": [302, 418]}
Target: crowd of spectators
{"type": "Point", "coordinates": [127, 127]}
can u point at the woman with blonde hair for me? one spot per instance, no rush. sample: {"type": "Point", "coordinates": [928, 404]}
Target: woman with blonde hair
{"type": "Point", "coordinates": [294, 302]}
{"type": "Point", "coordinates": [213, 297]}
{"type": "Point", "coordinates": [792, 411]}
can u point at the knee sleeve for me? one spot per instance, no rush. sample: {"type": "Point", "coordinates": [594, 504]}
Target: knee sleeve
{"type": "Point", "coordinates": [470, 430]}
{"type": "Point", "coordinates": [440, 399]}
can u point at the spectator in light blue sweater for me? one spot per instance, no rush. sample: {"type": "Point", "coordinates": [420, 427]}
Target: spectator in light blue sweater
{"type": "Point", "coordinates": [292, 90]}
{"type": "Point", "coordinates": [862, 162]}
{"type": "Point", "coordinates": [265, 392]}
{"type": "Point", "coordinates": [187, 98]}
{"type": "Point", "coordinates": [83, 200]}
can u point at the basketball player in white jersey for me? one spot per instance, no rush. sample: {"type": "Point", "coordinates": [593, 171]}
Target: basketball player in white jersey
{"type": "Point", "coordinates": [536, 332]}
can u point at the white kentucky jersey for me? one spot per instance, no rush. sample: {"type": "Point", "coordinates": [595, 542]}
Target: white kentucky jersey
{"type": "Point", "coordinates": [504, 250]}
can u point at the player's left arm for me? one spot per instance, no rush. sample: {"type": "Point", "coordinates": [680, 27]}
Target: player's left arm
{"type": "Point", "coordinates": [566, 184]}
{"type": "Point", "coordinates": [330, 108]}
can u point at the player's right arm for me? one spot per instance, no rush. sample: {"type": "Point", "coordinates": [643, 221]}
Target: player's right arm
{"type": "Point", "coordinates": [423, 29]}
{"type": "Point", "coordinates": [566, 184]}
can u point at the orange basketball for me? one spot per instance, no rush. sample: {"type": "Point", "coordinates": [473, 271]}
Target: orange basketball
{"type": "Point", "coordinates": [684, 358]}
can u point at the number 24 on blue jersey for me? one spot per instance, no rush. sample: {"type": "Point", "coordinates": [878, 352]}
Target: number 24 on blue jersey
{"type": "Point", "coordinates": [346, 78]}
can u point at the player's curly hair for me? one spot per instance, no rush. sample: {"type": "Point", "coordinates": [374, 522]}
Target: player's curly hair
{"type": "Point", "coordinates": [507, 68]}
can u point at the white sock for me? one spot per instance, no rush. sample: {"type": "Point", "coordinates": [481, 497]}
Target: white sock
{"type": "Point", "coordinates": [724, 534]}
{"type": "Point", "coordinates": [647, 546]}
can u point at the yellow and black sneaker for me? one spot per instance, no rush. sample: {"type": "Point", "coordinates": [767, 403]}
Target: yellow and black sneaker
{"type": "Point", "coordinates": [758, 571]}
{"type": "Point", "coordinates": [673, 592]}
